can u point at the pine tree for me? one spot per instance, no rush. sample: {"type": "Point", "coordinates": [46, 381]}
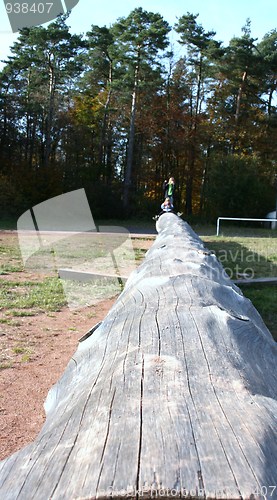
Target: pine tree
{"type": "Point", "coordinates": [202, 50]}
{"type": "Point", "coordinates": [139, 37]}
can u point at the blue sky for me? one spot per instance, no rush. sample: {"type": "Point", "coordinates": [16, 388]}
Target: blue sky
{"type": "Point", "coordinates": [224, 17]}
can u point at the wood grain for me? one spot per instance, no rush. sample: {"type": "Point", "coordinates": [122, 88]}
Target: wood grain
{"type": "Point", "coordinates": [174, 393]}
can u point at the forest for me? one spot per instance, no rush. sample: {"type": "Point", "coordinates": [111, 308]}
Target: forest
{"type": "Point", "coordinates": [120, 109]}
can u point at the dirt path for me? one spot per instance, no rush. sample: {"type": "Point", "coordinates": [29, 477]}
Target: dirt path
{"type": "Point", "coordinates": [34, 352]}
{"type": "Point", "coordinates": [52, 340]}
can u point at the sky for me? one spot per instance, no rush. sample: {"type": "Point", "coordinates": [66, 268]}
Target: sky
{"type": "Point", "coordinates": [225, 17]}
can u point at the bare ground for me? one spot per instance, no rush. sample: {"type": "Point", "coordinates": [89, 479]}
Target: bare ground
{"type": "Point", "coordinates": [49, 340]}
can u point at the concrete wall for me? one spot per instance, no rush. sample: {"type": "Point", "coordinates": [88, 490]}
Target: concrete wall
{"type": "Point", "coordinates": [272, 215]}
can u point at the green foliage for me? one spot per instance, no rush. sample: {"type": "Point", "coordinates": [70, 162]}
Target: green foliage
{"type": "Point", "coordinates": [143, 31]}
{"type": "Point", "coordinates": [105, 201]}
{"type": "Point", "coordinates": [10, 198]}
{"type": "Point", "coordinates": [264, 299]}
{"type": "Point", "coordinates": [115, 112]}
{"type": "Point", "coordinates": [237, 188]}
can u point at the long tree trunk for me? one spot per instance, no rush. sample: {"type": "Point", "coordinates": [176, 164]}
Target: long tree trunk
{"type": "Point", "coordinates": [270, 98]}
{"type": "Point", "coordinates": [131, 143]}
{"type": "Point", "coordinates": [32, 142]}
{"type": "Point", "coordinates": [4, 134]}
{"type": "Point", "coordinates": [192, 147]}
{"type": "Point", "coordinates": [50, 114]}
{"type": "Point", "coordinates": [198, 94]}
{"type": "Point", "coordinates": [173, 395]}
{"type": "Point", "coordinates": [189, 189]}
{"type": "Point", "coordinates": [5, 124]}
{"type": "Point", "coordinates": [239, 97]}
{"type": "Point", "coordinates": [204, 181]}
{"type": "Point", "coordinates": [28, 124]}
{"type": "Point", "coordinates": [105, 132]}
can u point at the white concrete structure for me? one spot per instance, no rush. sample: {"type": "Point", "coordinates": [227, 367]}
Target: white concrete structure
{"type": "Point", "coordinates": [272, 215]}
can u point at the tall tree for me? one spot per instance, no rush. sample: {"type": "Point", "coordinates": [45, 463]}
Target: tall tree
{"type": "Point", "coordinates": [102, 62]}
{"type": "Point", "coordinates": [47, 58]}
{"type": "Point", "coordinates": [113, 111]}
{"type": "Point", "coordinates": [202, 49]}
{"type": "Point", "coordinates": [243, 139]}
{"type": "Point", "coordinates": [35, 84]}
{"type": "Point", "coordinates": [267, 49]}
{"type": "Point", "coordinates": [140, 37]}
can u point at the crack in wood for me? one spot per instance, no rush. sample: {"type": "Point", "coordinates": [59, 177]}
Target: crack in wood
{"type": "Point", "coordinates": [90, 332]}
{"type": "Point", "coordinates": [140, 428]}
{"type": "Point", "coordinates": [108, 426]}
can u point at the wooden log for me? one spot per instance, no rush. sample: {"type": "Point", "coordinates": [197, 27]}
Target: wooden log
{"type": "Point", "coordinates": [174, 394]}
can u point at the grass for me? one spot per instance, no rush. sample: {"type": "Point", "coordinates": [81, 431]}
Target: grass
{"type": "Point", "coordinates": [19, 353]}
{"type": "Point", "coordinates": [253, 257]}
{"type": "Point", "coordinates": [239, 230]}
{"type": "Point", "coordinates": [81, 294]}
{"type": "Point", "coordinates": [25, 351]}
{"type": "Point", "coordinates": [264, 299]}
{"type": "Point", "coordinates": [139, 254]}
{"type": "Point", "coordinates": [4, 365]}
{"type": "Point", "coordinates": [23, 313]}
{"type": "Point", "coordinates": [10, 322]}
{"type": "Point", "coordinates": [46, 295]}
{"type": "Point", "coordinates": [243, 251]}
{"type": "Point", "coordinates": [10, 256]}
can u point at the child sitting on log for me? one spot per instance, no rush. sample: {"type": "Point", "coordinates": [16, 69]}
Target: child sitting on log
{"type": "Point", "coordinates": [166, 206]}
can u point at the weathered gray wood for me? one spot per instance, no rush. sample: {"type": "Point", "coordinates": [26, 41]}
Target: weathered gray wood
{"type": "Point", "coordinates": [174, 394]}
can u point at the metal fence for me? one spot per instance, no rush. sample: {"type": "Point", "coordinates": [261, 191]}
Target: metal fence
{"type": "Point", "coordinates": [240, 218]}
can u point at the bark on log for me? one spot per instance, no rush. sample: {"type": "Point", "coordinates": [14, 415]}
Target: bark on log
{"type": "Point", "coordinates": [174, 394]}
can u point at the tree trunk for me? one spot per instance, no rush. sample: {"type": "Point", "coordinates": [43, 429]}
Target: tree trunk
{"type": "Point", "coordinates": [189, 188]}
{"type": "Point", "coordinates": [174, 394]}
{"type": "Point", "coordinates": [32, 143]}
{"type": "Point", "coordinates": [4, 134]}
{"type": "Point", "coordinates": [131, 144]}
{"type": "Point", "coordinates": [50, 114]}
{"type": "Point", "coordinates": [106, 127]}
{"type": "Point", "coordinates": [194, 114]}
{"type": "Point", "coordinates": [270, 99]}
{"type": "Point", "coordinates": [239, 97]}
{"type": "Point", "coordinates": [198, 94]}
{"type": "Point", "coordinates": [190, 172]}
